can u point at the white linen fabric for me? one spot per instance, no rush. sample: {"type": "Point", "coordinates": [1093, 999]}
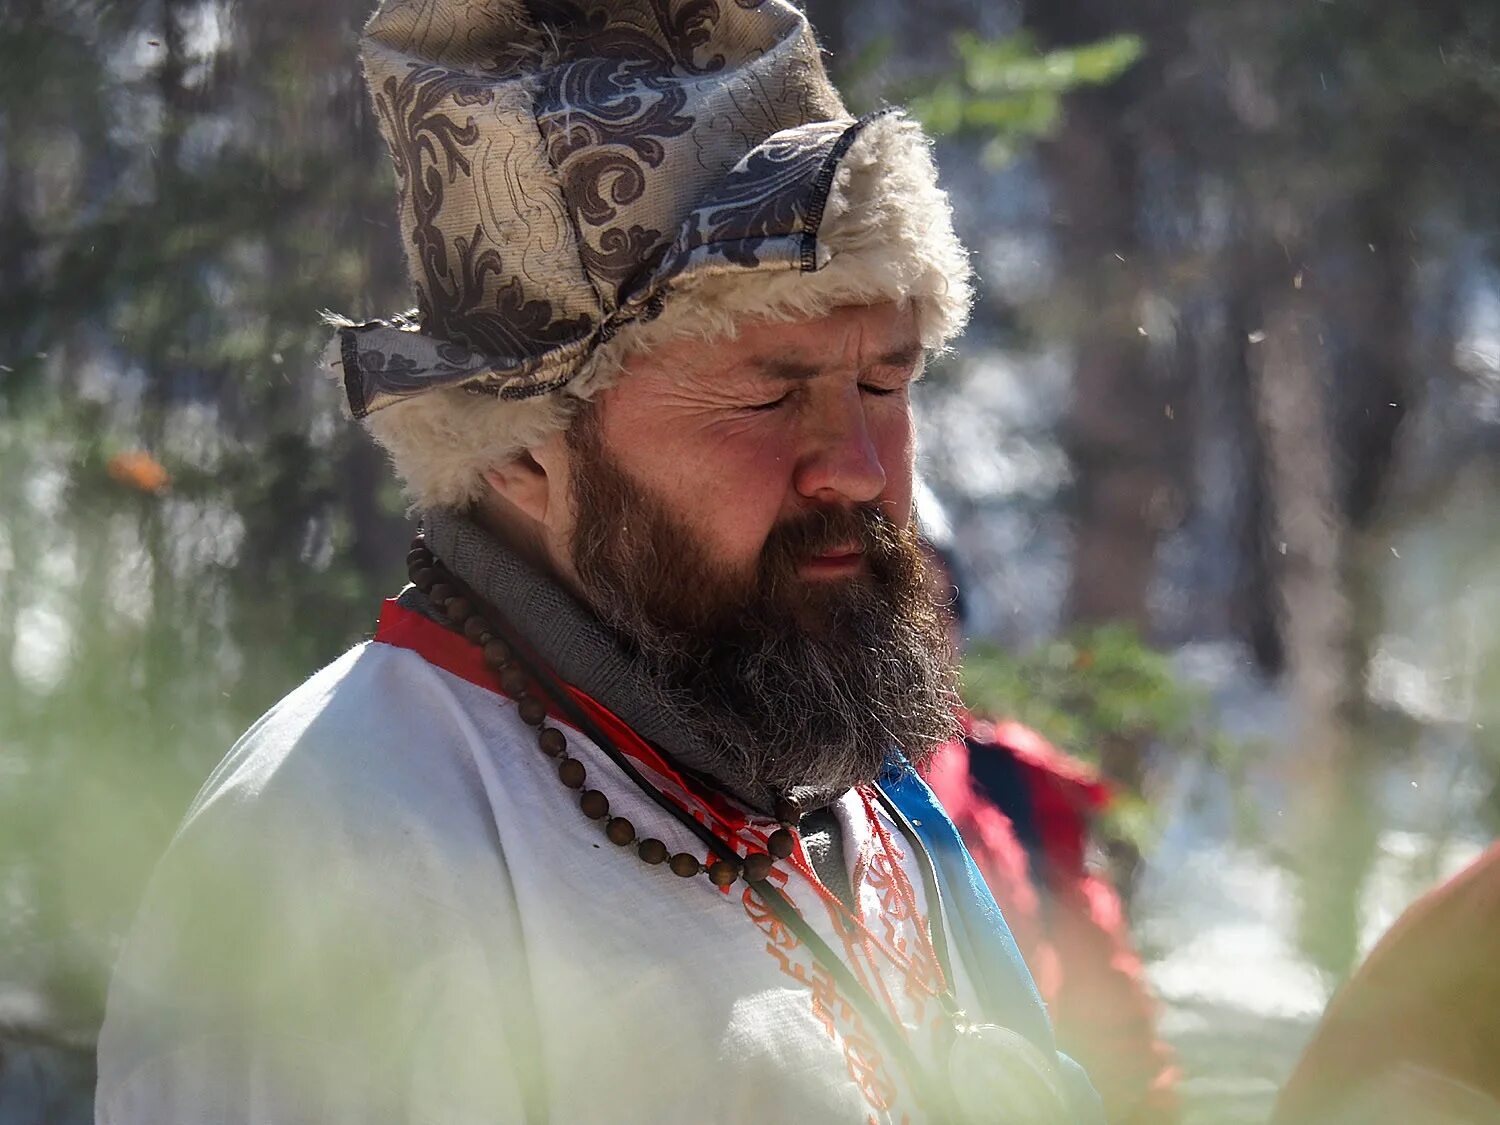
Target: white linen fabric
{"type": "Point", "coordinates": [384, 906]}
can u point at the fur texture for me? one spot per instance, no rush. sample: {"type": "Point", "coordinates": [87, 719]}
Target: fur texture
{"type": "Point", "coordinates": [886, 235]}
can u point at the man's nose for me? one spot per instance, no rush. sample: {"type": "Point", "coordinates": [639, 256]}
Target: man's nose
{"type": "Point", "coordinates": [840, 460]}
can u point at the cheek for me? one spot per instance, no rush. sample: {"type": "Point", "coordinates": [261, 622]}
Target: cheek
{"type": "Point", "coordinates": [742, 484]}
{"type": "Point", "coordinates": [726, 480]}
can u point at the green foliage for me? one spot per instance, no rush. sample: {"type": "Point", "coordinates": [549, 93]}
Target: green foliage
{"type": "Point", "coordinates": [1085, 688]}
{"type": "Point", "coordinates": [1011, 92]}
{"type": "Point", "coordinates": [1094, 688]}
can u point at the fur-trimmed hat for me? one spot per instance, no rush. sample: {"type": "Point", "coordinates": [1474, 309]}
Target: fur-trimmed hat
{"type": "Point", "coordinates": [581, 179]}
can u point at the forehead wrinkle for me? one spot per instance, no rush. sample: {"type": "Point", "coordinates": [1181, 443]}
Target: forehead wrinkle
{"type": "Point", "coordinates": [791, 370]}
{"type": "Point", "coordinates": [714, 371]}
{"type": "Point", "coordinates": [695, 387]}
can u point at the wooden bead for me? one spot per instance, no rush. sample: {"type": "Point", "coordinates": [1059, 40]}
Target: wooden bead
{"type": "Point", "coordinates": [429, 577]}
{"type": "Point", "coordinates": [512, 680]}
{"type": "Point", "coordinates": [652, 851]}
{"type": "Point", "coordinates": [595, 805]}
{"type": "Point", "coordinates": [417, 558]}
{"type": "Point", "coordinates": [757, 866]}
{"type": "Point", "coordinates": [786, 812]}
{"type": "Point", "coordinates": [685, 865]}
{"type": "Point", "coordinates": [781, 844]}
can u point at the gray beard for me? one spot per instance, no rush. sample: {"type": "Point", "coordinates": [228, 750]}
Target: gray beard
{"type": "Point", "coordinates": [782, 710]}
{"type": "Point", "coordinates": [785, 684]}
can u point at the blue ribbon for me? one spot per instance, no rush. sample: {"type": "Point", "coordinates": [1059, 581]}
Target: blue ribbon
{"type": "Point", "coordinates": [979, 934]}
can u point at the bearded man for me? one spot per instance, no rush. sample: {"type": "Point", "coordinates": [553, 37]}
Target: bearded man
{"type": "Point", "coordinates": [615, 819]}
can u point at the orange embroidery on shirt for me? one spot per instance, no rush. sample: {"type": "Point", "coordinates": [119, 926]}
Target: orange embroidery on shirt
{"type": "Point", "coordinates": [840, 1020]}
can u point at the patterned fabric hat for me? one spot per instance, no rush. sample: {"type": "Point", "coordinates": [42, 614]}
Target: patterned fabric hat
{"type": "Point", "coordinates": [569, 169]}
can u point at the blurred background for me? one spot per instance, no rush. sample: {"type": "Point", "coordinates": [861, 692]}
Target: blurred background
{"type": "Point", "coordinates": [1217, 458]}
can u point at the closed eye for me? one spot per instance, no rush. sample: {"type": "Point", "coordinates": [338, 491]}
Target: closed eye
{"type": "Point", "coordinates": [871, 389]}
{"type": "Point", "coordinates": [762, 407]}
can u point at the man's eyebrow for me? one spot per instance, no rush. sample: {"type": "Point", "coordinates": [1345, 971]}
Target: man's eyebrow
{"type": "Point", "coordinates": [789, 369]}
{"type": "Point", "coordinates": [904, 356]}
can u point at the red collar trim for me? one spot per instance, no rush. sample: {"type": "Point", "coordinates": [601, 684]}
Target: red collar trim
{"type": "Point", "coordinates": [442, 647]}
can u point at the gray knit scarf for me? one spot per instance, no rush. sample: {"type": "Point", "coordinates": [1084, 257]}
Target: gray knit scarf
{"type": "Point", "coordinates": [578, 647]}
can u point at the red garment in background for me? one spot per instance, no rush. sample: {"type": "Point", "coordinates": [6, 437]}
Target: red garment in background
{"type": "Point", "coordinates": [1414, 1035]}
{"type": "Point", "coordinates": [1067, 920]}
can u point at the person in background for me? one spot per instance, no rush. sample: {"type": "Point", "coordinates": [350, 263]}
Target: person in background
{"type": "Point", "coordinates": [1414, 1036]}
{"type": "Point", "coordinates": [1024, 808]}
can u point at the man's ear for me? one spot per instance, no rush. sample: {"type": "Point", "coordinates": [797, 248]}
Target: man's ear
{"type": "Point", "coordinates": [523, 484]}
{"type": "Point", "coordinates": [534, 481]}
{"type": "Point", "coordinates": [528, 506]}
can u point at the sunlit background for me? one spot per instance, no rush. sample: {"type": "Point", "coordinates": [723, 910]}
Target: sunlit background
{"type": "Point", "coordinates": [1217, 458]}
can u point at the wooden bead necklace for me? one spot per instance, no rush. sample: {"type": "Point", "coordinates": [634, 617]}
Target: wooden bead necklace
{"type": "Point", "coordinates": [465, 615]}
{"type": "Point", "coordinates": [987, 1066]}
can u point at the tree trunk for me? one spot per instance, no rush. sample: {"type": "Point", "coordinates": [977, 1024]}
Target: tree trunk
{"type": "Point", "coordinates": [1122, 432]}
{"type": "Point", "coordinates": [1333, 829]}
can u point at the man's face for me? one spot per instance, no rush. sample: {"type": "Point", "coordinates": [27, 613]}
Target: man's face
{"type": "Point", "coordinates": [734, 438]}
{"type": "Point", "coordinates": [768, 573]}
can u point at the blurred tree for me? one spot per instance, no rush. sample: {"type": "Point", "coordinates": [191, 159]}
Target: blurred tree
{"type": "Point", "coordinates": [1118, 434]}
{"type": "Point", "coordinates": [1352, 120]}
{"type": "Point", "coordinates": [1241, 219]}
{"type": "Point", "coordinates": [1330, 135]}
{"type": "Point", "coordinates": [186, 526]}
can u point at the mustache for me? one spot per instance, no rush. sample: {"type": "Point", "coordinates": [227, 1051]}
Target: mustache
{"type": "Point", "coordinates": [799, 538]}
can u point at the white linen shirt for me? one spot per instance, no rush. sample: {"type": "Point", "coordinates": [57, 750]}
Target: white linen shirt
{"type": "Point", "coordinates": [384, 906]}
